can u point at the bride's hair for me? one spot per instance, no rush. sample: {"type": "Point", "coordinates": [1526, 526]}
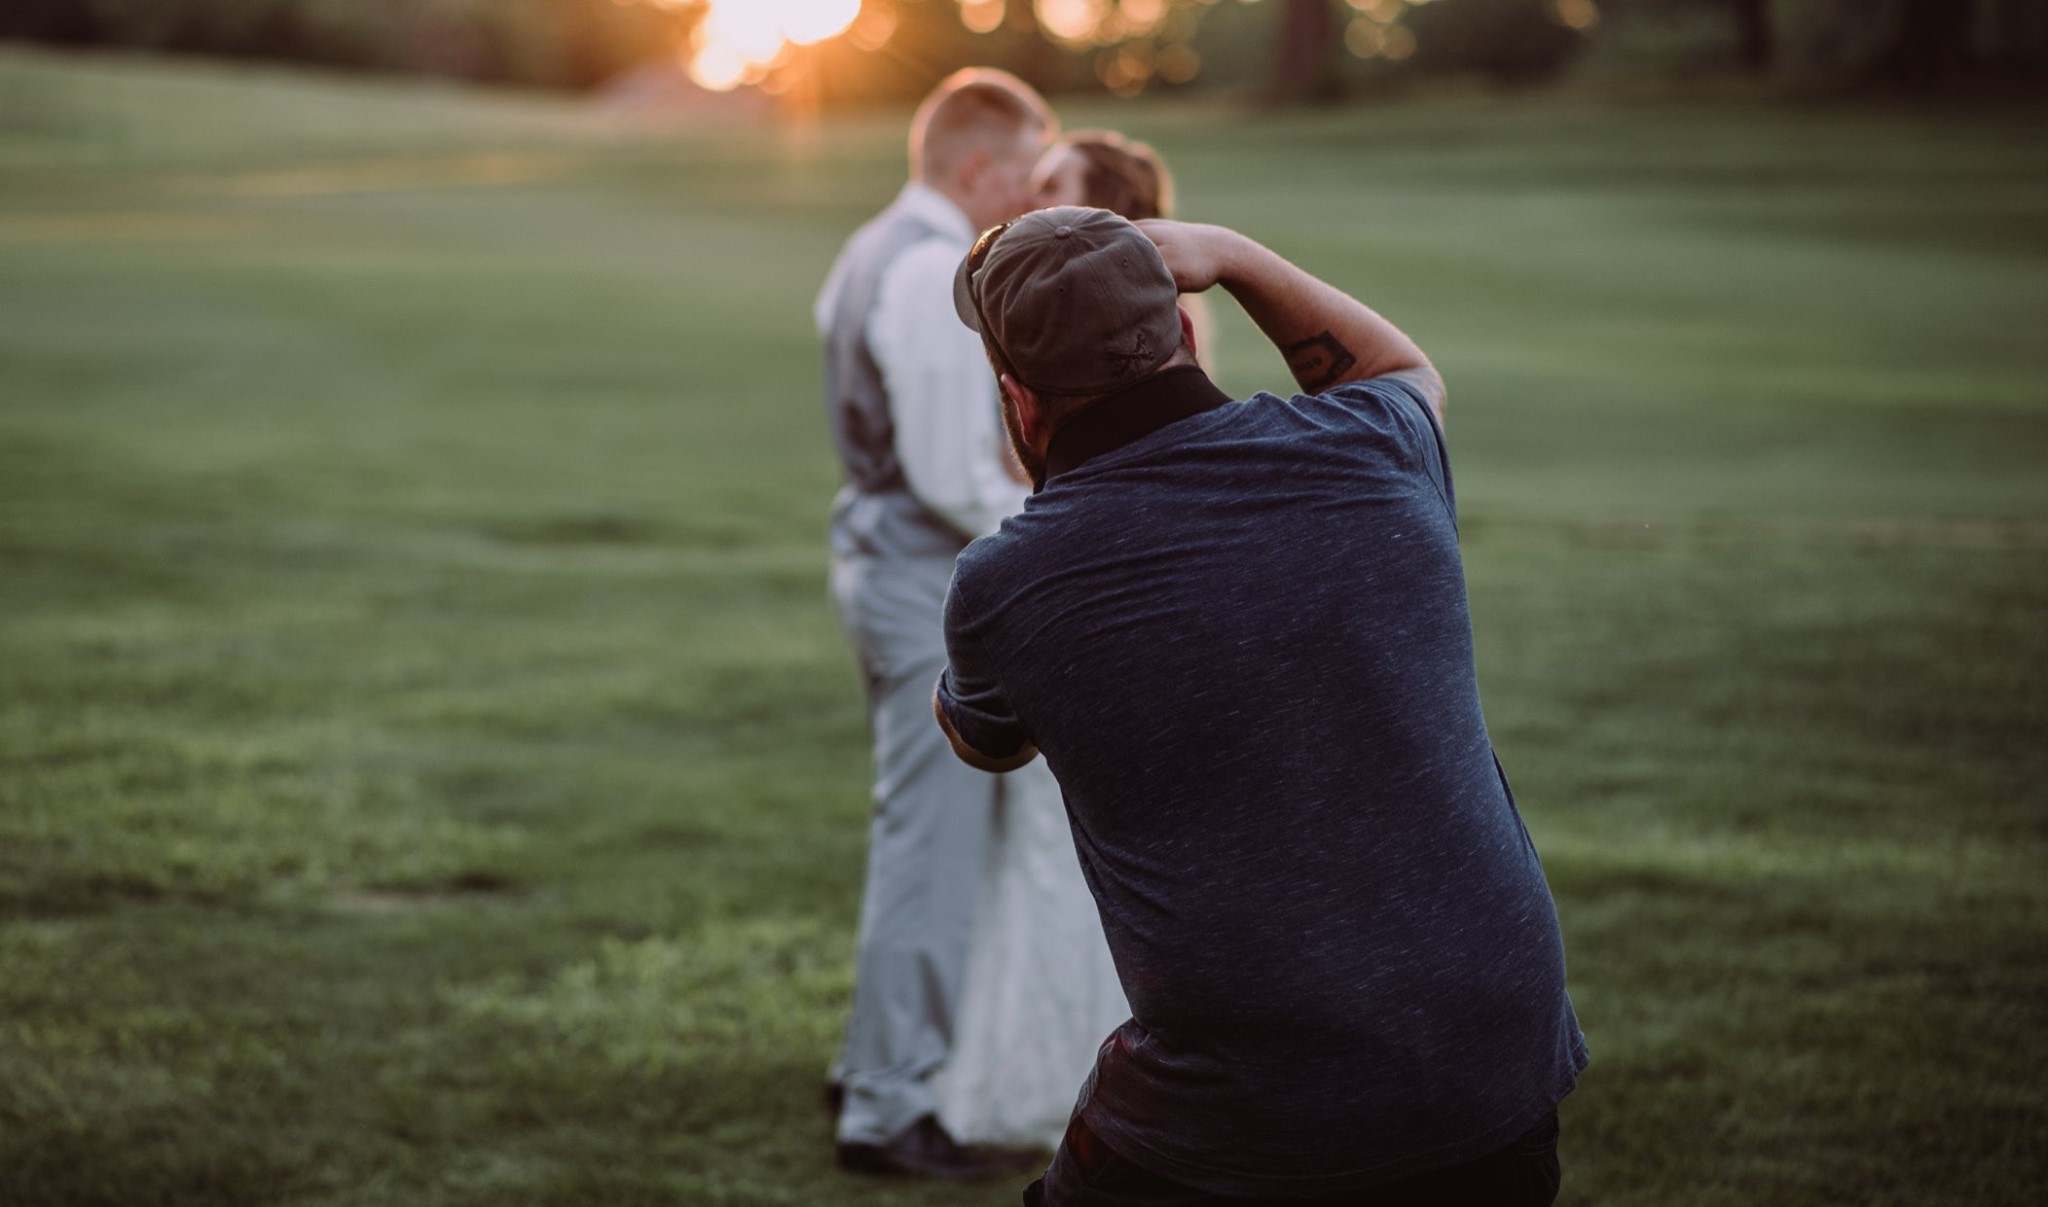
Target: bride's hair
{"type": "Point", "coordinates": [1123, 175]}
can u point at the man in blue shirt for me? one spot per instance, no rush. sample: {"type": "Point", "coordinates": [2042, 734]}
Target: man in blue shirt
{"type": "Point", "coordinates": [1238, 633]}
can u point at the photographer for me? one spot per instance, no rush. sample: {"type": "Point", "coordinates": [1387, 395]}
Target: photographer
{"type": "Point", "coordinates": [1238, 633]}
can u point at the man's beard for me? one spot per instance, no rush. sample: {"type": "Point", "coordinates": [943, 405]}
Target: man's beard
{"type": "Point", "coordinates": [1034, 465]}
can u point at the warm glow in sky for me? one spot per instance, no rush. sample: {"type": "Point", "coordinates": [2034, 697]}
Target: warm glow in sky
{"type": "Point", "coordinates": [1133, 42]}
{"type": "Point", "coordinates": [738, 39]}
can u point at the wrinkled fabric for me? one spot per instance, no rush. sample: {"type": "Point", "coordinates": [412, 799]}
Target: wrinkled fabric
{"type": "Point", "coordinates": [1242, 644]}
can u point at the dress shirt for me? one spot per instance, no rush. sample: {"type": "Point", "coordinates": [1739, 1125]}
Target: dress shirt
{"type": "Point", "coordinates": [942, 394]}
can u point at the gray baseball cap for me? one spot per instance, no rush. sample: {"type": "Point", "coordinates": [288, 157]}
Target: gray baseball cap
{"type": "Point", "coordinates": [1076, 301]}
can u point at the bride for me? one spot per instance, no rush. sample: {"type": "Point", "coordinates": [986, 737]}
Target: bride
{"type": "Point", "coordinates": [1040, 993]}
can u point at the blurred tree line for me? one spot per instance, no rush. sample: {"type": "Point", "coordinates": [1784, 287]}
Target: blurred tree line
{"type": "Point", "coordinates": [551, 43]}
{"type": "Point", "coordinates": [1321, 48]}
{"type": "Point", "coordinates": [1886, 43]}
{"type": "Point", "coordinates": [1287, 49]}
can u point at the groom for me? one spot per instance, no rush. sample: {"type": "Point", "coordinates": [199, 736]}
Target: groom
{"type": "Point", "coordinates": [914, 415]}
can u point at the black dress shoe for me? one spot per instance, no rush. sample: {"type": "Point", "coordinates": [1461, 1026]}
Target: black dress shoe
{"type": "Point", "coordinates": [923, 1150]}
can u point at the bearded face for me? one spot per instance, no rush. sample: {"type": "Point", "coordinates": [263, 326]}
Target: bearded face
{"type": "Point", "coordinates": [1033, 463]}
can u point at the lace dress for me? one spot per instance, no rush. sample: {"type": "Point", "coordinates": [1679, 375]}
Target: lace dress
{"type": "Point", "coordinates": [1040, 993]}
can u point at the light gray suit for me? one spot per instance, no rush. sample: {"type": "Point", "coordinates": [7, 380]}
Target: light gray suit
{"type": "Point", "coordinates": [892, 560]}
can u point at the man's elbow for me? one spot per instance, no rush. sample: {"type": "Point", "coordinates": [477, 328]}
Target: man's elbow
{"type": "Point", "coordinates": [995, 766]}
{"type": "Point", "coordinates": [1427, 383]}
{"type": "Point", "coordinates": [967, 754]}
{"type": "Point", "coordinates": [1431, 383]}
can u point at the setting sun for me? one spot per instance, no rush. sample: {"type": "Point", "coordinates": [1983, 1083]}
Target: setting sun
{"type": "Point", "coordinates": [739, 40]}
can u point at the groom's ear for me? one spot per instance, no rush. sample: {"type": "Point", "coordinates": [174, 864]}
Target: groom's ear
{"type": "Point", "coordinates": [1187, 332]}
{"type": "Point", "coordinates": [967, 174]}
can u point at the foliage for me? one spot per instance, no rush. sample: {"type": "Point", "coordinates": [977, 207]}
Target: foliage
{"type": "Point", "coordinates": [1291, 48]}
{"type": "Point", "coordinates": [1515, 40]}
{"type": "Point", "coordinates": [552, 42]}
{"type": "Point", "coordinates": [1904, 42]}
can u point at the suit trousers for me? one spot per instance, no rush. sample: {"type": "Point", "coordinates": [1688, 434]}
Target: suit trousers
{"type": "Point", "coordinates": [933, 817]}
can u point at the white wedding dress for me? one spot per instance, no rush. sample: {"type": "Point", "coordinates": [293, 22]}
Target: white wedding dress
{"type": "Point", "coordinates": [1040, 993]}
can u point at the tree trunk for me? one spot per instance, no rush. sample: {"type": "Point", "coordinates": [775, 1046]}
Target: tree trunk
{"type": "Point", "coordinates": [1041, 61]}
{"type": "Point", "coordinates": [1924, 41]}
{"type": "Point", "coordinates": [1302, 67]}
{"type": "Point", "coordinates": [2015, 36]}
{"type": "Point", "coordinates": [1755, 46]}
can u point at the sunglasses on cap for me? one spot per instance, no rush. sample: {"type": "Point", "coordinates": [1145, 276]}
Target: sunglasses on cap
{"type": "Point", "coordinates": [976, 257]}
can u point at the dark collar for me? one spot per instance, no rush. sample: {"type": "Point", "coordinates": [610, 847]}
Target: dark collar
{"type": "Point", "coordinates": [1137, 410]}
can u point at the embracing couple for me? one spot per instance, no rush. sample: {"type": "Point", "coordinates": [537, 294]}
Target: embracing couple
{"type": "Point", "coordinates": [1306, 952]}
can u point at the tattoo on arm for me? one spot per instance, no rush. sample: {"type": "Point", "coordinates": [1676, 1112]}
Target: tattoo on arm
{"type": "Point", "coordinates": [1319, 361]}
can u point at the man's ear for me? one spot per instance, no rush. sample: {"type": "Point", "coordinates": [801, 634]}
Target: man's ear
{"type": "Point", "coordinates": [968, 173]}
{"type": "Point", "coordinates": [1187, 331]}
{"type": "Point", "coordinates": [1030, 415]}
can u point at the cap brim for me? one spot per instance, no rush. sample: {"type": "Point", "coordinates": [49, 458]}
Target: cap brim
{"type": "Point", "coordinates": [963, 296]}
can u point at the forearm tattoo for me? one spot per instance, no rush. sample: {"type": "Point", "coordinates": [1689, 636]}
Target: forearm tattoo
{"type": "Point", "coordinates": [1319, 362]}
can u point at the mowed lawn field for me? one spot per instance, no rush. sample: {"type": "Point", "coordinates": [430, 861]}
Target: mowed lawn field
{"type": "Point", "coordinates": [431, 771]}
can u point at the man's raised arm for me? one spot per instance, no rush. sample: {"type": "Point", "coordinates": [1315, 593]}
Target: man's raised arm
{"type": "Point", "coordinates": [1327, 336]}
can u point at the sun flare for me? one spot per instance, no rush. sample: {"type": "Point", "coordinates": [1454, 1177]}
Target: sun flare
{"type": "Point", "coordinates": [739, 41]}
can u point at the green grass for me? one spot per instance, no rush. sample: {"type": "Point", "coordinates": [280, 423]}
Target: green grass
{"type": "Point", "coordinates": [431, 773]}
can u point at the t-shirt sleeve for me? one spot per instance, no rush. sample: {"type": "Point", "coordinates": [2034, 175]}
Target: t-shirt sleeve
{"type": "Point", "coordinates": [969, 694]}
{"type": "Point", "coordinates": [1397, 404]}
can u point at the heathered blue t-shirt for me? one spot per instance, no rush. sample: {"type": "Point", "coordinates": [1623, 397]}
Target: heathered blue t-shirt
{"type": "Point", "coordinates": [1241, 641]}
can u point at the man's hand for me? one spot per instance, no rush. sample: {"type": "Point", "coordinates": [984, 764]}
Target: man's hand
{"type": "Point", "coordinates": [1327, 336]}
{"type": "Point", "coordinates": [1198, 256]}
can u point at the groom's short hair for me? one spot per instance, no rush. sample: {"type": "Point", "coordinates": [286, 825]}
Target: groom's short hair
{"type": "Point", "coordinates": [975, 108]}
